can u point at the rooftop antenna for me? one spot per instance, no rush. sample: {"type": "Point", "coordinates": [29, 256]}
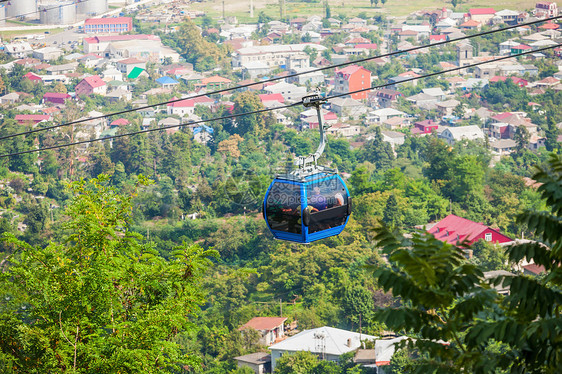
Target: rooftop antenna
{"type": "Point", "coordinates": [320, 344]}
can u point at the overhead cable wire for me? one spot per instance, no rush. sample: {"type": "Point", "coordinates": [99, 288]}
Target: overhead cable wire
{"type": "Point", "coordinates": [220, 91]}
{"type": "Point", "coordinates": [233, 116]}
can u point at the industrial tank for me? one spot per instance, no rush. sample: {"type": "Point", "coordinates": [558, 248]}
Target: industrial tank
{"type": "Point", "coordinates": [57, 13]}
{"type": "Point", "coordinates": [2, 14]}
{"type": "Point", "coordinates": [22, 9]}
{"type": "Point", "coordinates": [91, 7]}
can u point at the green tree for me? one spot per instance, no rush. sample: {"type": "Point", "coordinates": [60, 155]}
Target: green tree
{"type": "Point", "coordinates": [392, 216]}
{"type": "Point", "coordinates": [521, 138]}
{"type": "Point", "coordinates": [551, 132]}
{"type": "Point", "coordinates": [251, 124]}
{"type": "Point", "coordinates": [447, 298]}
{"type": "Point", "coordinates": [195, 49]}
{"type": "Point", "coordinates": [100, 300]}
{"type": "Point", "coordinates": [302, 362]}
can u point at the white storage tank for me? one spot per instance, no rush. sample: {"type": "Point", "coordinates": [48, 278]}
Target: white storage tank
{"type": "Point", "coordinates": [2, 14]}
{"type": "Point", "coordinates": [57, 12]}
{"type": "Point", "coordinates": [91, 7]}
{"type": "Point", "coordinates": [22, 9]}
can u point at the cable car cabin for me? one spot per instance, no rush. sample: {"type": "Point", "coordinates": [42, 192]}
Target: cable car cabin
{"type": "Point", "coordinates": [306, 209]}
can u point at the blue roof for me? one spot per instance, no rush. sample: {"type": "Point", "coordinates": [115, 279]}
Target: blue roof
{"type": "Point", "coordinates": [206, 128]}
{"type": "Point", "coordinates": [166, 80]}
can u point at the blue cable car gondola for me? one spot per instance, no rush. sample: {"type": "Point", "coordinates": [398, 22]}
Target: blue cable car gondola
{"type": "Point", "coordinates": [310, 203]}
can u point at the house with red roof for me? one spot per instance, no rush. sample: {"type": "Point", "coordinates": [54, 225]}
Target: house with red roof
{"type": "Point", "coordinates": [32, 119]}
{"type": "Point", "coordinates": [437, 38]}
{"type": "Point", "coordinates": [204, 100]}
{"type": "Point", "coordinates": [55, 97]}
{"type": "Point", "coordinates": [108, 25]}
{"type": "Point", "coordinates": [352, 78]}
{"type": "Point", "coordinates": [181, 108]}
{"type": "Point", "coordinates": [271, 329]}
{"type": "Point", "coordinates": [119, 122]}
{"type": "Point", "coordinates": [33, 77]}
{"type": "Point", "coordinates": [91, 85]}
{"type": "Point", "coordinates": [453, 229]}
{"type": "Point", "coordinates": [271, 99]}
{"type": "Point", "coordinates": [424, 127]}
{"type": "Point", "coordinates": [216, 82]}
{"type": "Point", "coordinates": [482, 15]}
{"type": "Point", "coordinates": [470, 25]}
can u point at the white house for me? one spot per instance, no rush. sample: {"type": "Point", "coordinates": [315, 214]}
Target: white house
{"type": "Point", "coordinates": [289, 91]}
{"type": "Point", "coordinates": [182, 108]}
{"type": "Point", "coordinates": [327, 342]}
{"type": "Point", "coordinates": [383, 115]}
{"type": "Point", "coordinates": [455, 134]}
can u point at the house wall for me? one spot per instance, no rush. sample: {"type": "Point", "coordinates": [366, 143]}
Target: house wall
{"type": "Point", "coordinates": [496, 237]}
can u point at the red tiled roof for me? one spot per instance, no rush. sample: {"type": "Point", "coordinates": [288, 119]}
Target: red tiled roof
{"type": "Point", "coordinates": [120, 122]}
{"type": "Point", "coordinates": [438, 38]}
{"type": "Point", "coordinates": [56, 95]}
{"type": "Point", "coordinates": [549, 26]}
{"type": "Point", "coordinates": [32, 117]}
{"type": "Point", "coordinates": [116, 38]}
{"type": "Point", "coordinates": [94, 81]}
{"type": "Point", "coordinates": [470, 23]}
{"type": "Point", "coordinates": [272, 97]}
{"type": "Point", "coordinates": [453, 229]}
{"type": "Point", "coordinates": [481, 11]}
{"type": "Point", "coordinates": [366, 45]}
{"type": "Point", "coordinates": [502, 116]}
{"type": "Point", "coordinates": [33, 77]}
{"type": "Point", "coordinates": [351, 69]}
{"type": "Point", "coordinates": [131, 60]}
{"type": "Point", "coordinates": [203, 99]}
{"type": "Point", "coordinates": [521, 46]}
{"type": "Point", "coordinates": [215, 79]}
{"type": "Point", "coordinates": [534, 268]}
{"type": "Point", "coordinates": [106, 21]}
{"type": "Point", "coordinates": [182, 103]}
{"type": "Point", "coordinates": [264, 323]}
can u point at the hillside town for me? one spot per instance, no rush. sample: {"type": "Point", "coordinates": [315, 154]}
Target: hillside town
{"type": "Point", "coordinates": [169, 67]}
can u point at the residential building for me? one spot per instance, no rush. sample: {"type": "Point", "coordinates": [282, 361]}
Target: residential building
{"type": "Point", "coordinates": [272, 55]}
{"type": "Point", "coordinates": [383, 115]}
{"type": "Point", "coordinates": [482, 15]}
{"type": "Point", "coordinates": [508, 16]}
{"type": "Point", "coordinates": [289, 91]}
{"type": "Point", "coordinates": [55, 97]}
{"type": "Point", "coordinates": [216, 83]}
{"type": "Point", "coordinates": [91, 85]}
{"type": "Point", "coordinates": [327, 342]}
{"type": "Point", "coordinates": [352, 78]}
{"type": "Point", "coordinates": [344, 130]}
{"type": "Point", "coordinates": [271, 329]}
{"type": "Point", "coordinates": [546, 9]}
{"type": "Point", "coordinates": [447, 107]}
{"type": "Point", "coordinates": [503, 146]}
{"type": "Point", "coordinates": [347, 107]}
{"type": "Point", "coordinates": [453, 229]}
{"type": "Point", "coordinates": [259, 362]}
{"type": "Point", "coordinates": [167, 82]}
{"type": "Point", "coordinates": [454, 134]}
{"type": "Point", "coordinates": [424, 127]}
{"type": "Point", "coordinates": [32, 119]}
{"type": "Point", "coordinates": [117, 25]}
{"type": "Point", "coordinates": [47, 53]}
{"type": "Point", "coordinates": [182, 108]}
{"type": "Point", "coordinates": [18, 49]}
{"type": "Point", "coordinates": [127, 65]}
{"type": "Point", "coordinates": [383, 98]}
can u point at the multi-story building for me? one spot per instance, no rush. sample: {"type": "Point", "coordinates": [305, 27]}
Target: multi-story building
{"type": "Point", "coordinates": [273, 55]}
{"type": "Point", "coordinates": [108, 25]}
{"type": "Point", "coordinates": [546, 9]}
{"type": "Point", "coordinates": [352, 78]}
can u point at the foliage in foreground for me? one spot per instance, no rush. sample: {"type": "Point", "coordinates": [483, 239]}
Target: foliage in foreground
{"type": "Point", "coordinates": [101, 299]}
{"type": "Point", "coordinates": [461, 323]}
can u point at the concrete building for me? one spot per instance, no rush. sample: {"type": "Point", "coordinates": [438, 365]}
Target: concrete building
{"type": "Point", "coordinates": [327, 342]}
{"type": "Point", "coordinates": [454, 134]}
{"type": "Point", "coordinates": [272, 55]}
{"type": "Point", "coordinates": [116, 25]}
{"type": "Point", "coordinates": [352, 78]}
{"type": "Point", "coordinates": [47, 53]}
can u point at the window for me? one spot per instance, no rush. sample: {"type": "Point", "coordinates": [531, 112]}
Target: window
{"type": "Point", "coordinates": [488, 237]}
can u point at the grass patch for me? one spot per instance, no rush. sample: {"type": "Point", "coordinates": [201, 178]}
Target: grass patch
{"type": "Point", "coordinates": [11, 33]}
{"type": "Point", "coordinates": [349, 8]}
